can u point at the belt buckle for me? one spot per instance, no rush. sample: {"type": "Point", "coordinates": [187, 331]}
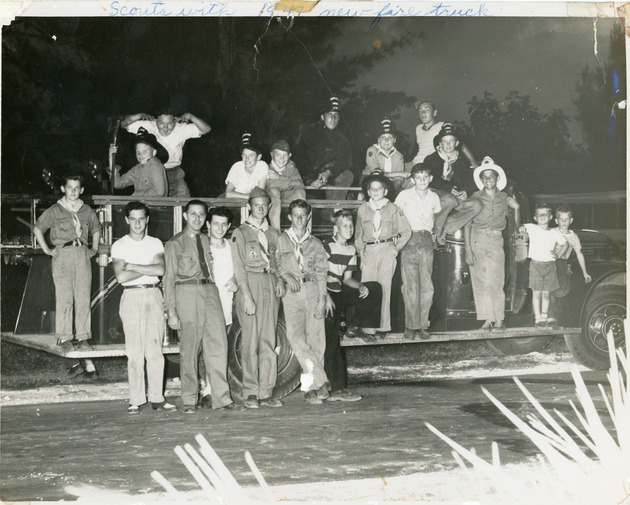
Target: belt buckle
{"type": "Point", "coordinates": [77, 242]}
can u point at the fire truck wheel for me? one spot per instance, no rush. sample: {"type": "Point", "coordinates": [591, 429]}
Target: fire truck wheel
{"type": "Point", "coordinates": [289, 369]}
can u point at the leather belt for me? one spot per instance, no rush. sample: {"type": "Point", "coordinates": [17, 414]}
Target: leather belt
{"type": "Point", "coordinates": [390, 239]}
{"type": "Point", "coordinates": [194, 282]}
{"type": "Point", "coordinates": [142, 286]}
{"type": "Point", "coordinates": [305, 279]}
{"type": "Point", "coordinates": [74, 243]}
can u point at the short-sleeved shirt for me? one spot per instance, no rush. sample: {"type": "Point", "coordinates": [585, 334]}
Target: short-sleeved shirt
{"type": "Point", "coordinates": [493, 215]}
{"type": "Point", "coordinates": [223, 270]}
{"type": "Point", "coordinates": [574, 243]}
{"type": "Point", "coordinates": [542, 242]}
{"type": "Point", "coordinates": [147, 180]}
{"type": "Point", "coordinates": [61, 225]}
{"type": "Point", "coordinates": [341, 259]}
{"type": "Point", "coordinates": [419, 211]}
{"type": "Point", "coordinates": [138, 252]}
{"type": "Point", "coordinates": [424, 138]}
{"type": "Point", "coordinates": [174, 142]}
{"type": "Point", "coordinates": [315, 263]}
{"type": "Point", "coordinates": [243, 181]}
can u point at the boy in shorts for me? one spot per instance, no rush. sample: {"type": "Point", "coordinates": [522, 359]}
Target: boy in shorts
{"type": "Point", "coordinates": [545, 245]}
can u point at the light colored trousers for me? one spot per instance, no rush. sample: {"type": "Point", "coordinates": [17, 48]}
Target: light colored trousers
{"type": "Point", "coordinates": [306, 334]}
{"type": "Point", "coordinates": [142, 314]}
{"type": "Point", "coordinates": [176, 183]}
{"type": "Point", "coordinates": [488, 274]}
{"type": "Point", "coordinates": [379, 264]}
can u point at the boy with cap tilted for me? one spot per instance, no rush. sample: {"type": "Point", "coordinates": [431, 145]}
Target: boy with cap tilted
{"type": "Point", "coordinates": [303, 266]}
{"type": "Point", "coordinates": [148, 177]}
{"type": "Point", "coordinates": [285, 183]}
{"type": "Point", "coordinates": [248, 173]}
{"type": "Point", "coordinates": [384, 156]}
{"type": "Point", "coordinates": [324, 154]}
{"type": "Point", "coordinates": [419, 205]}
{"type": "Point", "coordinates": [382, 231]}
{"type": "Point", "coordinates": [257, 300]}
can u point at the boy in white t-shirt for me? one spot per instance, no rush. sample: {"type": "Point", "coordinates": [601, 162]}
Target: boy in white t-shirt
{"type": "Point", "coordinates": [248, 173]}
{"type": "Point", "coordinates": [545, 245]}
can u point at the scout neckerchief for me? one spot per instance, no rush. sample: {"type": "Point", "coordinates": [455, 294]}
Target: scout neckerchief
{"type": "Point", "coordinates": [376, 207]}
{"type": "Point", "coordinates": [387, 165]}
{"type": "Point", "coordinates": [447, 170]}
{"type": "Point", "coordinates": [73, 209]}
{"type": "Point", "coordinates": [297, 243]}
{"type": "Point", "coordinates": [262, 238]}
{"type": "Point", "coordinates": [277, 169]}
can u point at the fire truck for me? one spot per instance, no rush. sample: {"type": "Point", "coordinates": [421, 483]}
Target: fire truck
{"type": "Point", "coordinates": [590, 312]}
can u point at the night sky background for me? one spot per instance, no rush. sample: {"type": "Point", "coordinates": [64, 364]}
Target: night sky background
{"type": "Point", "coordinates": [530, 92]}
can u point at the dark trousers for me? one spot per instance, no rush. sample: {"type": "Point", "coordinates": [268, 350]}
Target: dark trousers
{"type": "Point", "coordinates": [366, 314]}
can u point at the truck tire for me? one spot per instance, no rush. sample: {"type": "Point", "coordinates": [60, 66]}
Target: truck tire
{"type": "Point", "coordinates": [289, 370]}
{"type": "Point", "coordinates": [520, 345]}
{"type": "Point", "coordinates": [604, 312]}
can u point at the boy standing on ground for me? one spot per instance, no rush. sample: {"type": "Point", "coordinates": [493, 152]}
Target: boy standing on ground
{"type": "Point", "coordinates": [138, 260]}
{"type": "Point", "coordinates": [302, 265]}
{"type": "Point", "coordinates": [257, 301]}
{"type": "Point", "coordinates": [564, 218]}
{"type": "Point", "coordinates": [345, 291]}
{"type": "Point", "coordinates": [382, 231]}
{"type": "Point", "coordinates": [545, 245]}
{"type": "Point", "coordinates": [71, 223]}
{"type": "Point", "coordinates": [419, 205]}
{"type": "Point", "coordinates": [285, 183]}
{"type": "Point", "coordinates": [194, 309]}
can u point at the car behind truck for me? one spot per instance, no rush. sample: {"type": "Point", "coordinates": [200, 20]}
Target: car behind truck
{"type": "Point", "coordinates": [588, 312]}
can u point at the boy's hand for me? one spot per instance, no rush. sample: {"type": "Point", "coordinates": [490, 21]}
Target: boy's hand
{"type": "Point", "coordinates": [52, 252]}
{"type": "Point", "coordinates": [363, 291]}
{"type": "Point", "coordinates": [471, 259]}
{"type": "Point", "coordinates": [292, 283]}
{"type": "Point", "coordinates": [320, 309]}
{"type": "Point", "coordinates": [587, 278]}
{"type": "Point", "coordinates": [174, 323]}
{"type": "Point", "coordinates": [330, 306]}
{"type": "Point", "coordinates": [232, 285]}
{"type": "Point", "coordinates": [281, 289]}
{"type": "Point", "coordinates": [113, 148]}
{"type": "Point", "coordinates": [184, 118]}
{"type": "Point", "coordinates": [250, 305]}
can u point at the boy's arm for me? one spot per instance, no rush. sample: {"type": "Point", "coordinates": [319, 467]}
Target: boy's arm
{"type": "Point", "coordinates": [41, 240]}
{"type": "Point", "coordinates": [125, 180]}
{"type": "Point", "coordinates": [358, 234]}
{"type": "Point", "coordinates": [238, 264]}
{"type": "Point", "coordinates": [170, 274]}
{"type": "Point", "coordinates": [469, 155]}
{"type": "Point", "coordinates": [121, 274]}
{"type": "Point", "coordinates": [295, 178]}
{"type": "Point", "coordinates": [156, 267]}
{"type": "Point", "coordinates": [580, 258]}
{"type": "Point", "coordinates": [371, 160]}
{"type": "Point", "coordinates": [230, 193]}
{"type": "Point", "coordinates": [158, 184]}
{"type": "Point", "coordinates": [513, 204]}
{"type": "Point", "coordinates": [403, 227]}
{"type": "Point", "coordinates": [321, 275]}
{"type": "Point", "coordinates": [96, 238]}
{"type": "Point", "coordinates": [201, 125]}
{"type": "Point", "coordinates": [132, 118]}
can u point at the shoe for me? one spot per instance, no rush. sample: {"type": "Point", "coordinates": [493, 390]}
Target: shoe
{"type": "Point", "coordinates": [251, 402]}
{"type": "Point", "coordinates": [270, 402]}
{"type": "Point", "coordinates": [368, 338]}
{"type": "Point", "coordinates": [189, 409]}
{"type": "Point", "coordinates": [422, 334]}
{"type": "Point", "coordinates": [84, 345]}
{"type": "Point", "coordinates": [487, 326]}
{"type": "Point", "coordinates": [75, 370]}
{"type": "Point", "coordinates": [205, 402]}
{"type": "Point", "coordinates": [344, 395]}
{"type": "Point", "coordinates": [322, 392]}
{"type": "Point", "coordinates": [164, 405]}
{"type": "Point", "coordinates": [65, 345]}
{"type": "Point", "coordinates": [91, 375]}
{"type": "Point", "coordinates": [133, 409]}
{"type": "Point", "coordinates": [553, 323]}
{"type": "Point", "coordinates": [233, 407]}
{"type": "Point", "coordinates": [311, 397]}
{"type": "Point", "coordinates": [409, 334]}
{"type": "Point", "coordinates": [354, 332]}
{"type": "Point", "coordinates": [541, 324]}
{"type": "Point", "coordinates": [499, 325]}
{"type": "Point", "coordinates": [380, 334]}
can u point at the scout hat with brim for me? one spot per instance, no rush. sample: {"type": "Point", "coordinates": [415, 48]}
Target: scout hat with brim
{"type": "Point", "coordinates": [144, 137]}
{"type": "Point", "coordinates": [377, 175]}
{"type": "Point", "coordinates": [488, 164]}
{"type": "Point", "coordinates": [446, 131]}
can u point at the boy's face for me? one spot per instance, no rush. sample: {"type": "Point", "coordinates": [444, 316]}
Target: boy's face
{"type": "Point", "coordinates": [72, 190]}
{"type": "Point", "coordinates": [377, 191]}
{"type": "Point", "coordinates": [144, 153]}
{"type": "Point", "coordinates": [564, 220]}
{"type": "Point", "coordinates": [137, 221]}
{"type": "Point", "coordinates": [250, 158]}
{"type": "Point", "coordinates": [331, 120]}
{"type": "Point", "coordinates": [195, 217]}
{"type": "Point", "coordinates": [449, 143]}
{"type": "Point", "coordinates": [344, 228]}
{"type": "Point", "coordinates": [489, 179]}
{"type": "Point", "coordinates": [259, 207]}
{"type": "Point", "coordinates": [166, 124]}
{"type": "Point", "coordinates": [422, 180]}
{"type": "Point", "coordinates": [218, 227]}
{"type": "Point", "coordinates": [386, 141]}
{"type": "Point", "coordinates": [280, 158]}
{"type": "Point", "coordinates": [543, 217]}
{"type": "Point", "coordinates": [299, 219]}
{"type": "Point", "coordinates": [427, 113]}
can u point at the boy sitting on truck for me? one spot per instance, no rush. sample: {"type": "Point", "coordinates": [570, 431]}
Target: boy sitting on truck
{"type": "Point", "coordinates": [384, 156]}
{"type": "Point", "coordinates": [564, 218]}
{"type": "Point", "coordinates": [248, 173]}
{"type": "Point", "coordinates": [545, 245]}
{"type": "Point", "coordinates": [285, 183]}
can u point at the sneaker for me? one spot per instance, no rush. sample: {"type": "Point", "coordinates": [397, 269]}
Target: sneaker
{"type": "Point", "coordinates": [354, 332]}
{"type": "Point", "coordinates": [311, 397]}
{"type": "Point", "coordinates": [541, 324]}
{"type": "Point", "coordinates": [189, 409]}
{"type": "Point", "coordinates": [84, 345]}
{"type": "Point", "coordinates": [499, 325]}
{"type": "Point", "coordinates": [74, 371]}
{"type": "Point", "coordinates": [65, 345]}
{"type": "Point", "coordinates": [487, 326]}
{"type": "Point", "coordinates": [553, 323]}
{"type": "Point", "coordinates": [344, 395]}
{"type": "Point", "coordinates": [233, 407]}
{"type": "Point", "coordinates": [163, 405]}
{"type": "Point", "coordinates": [322, 392]}
{"type": "Point", "coordinates": [93, 374]}
{"type": "Point", "coordinates": [409, 334]}
{"type": "Point", "coordinates": [422, 334]}
{"type": "Point", "coordinates": [270, 402]}
{"type": "Point", "coordinates": [380, 335]}
{"type": "Point", "coordinates": [133, 409]}
{"type": "Point", "coordinates": [251, 402]}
